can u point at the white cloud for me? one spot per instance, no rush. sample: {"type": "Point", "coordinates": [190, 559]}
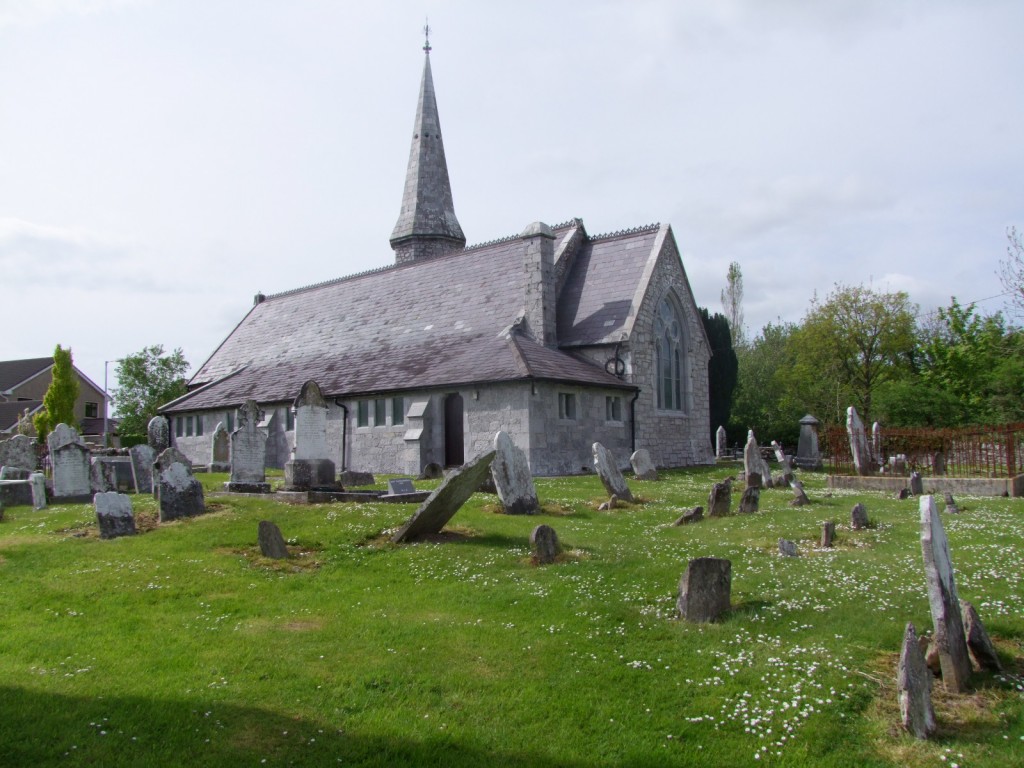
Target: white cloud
{"type": "Point", "coordinates": [15, 13]}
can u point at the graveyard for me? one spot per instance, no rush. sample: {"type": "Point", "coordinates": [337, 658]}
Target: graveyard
{"type": "Point", "coordinates": [184, 643]}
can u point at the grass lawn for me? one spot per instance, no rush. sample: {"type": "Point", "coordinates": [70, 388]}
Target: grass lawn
{"type": "Point", "coordinates": [182, 646]}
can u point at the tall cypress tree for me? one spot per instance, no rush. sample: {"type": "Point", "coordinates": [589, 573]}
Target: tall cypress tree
{"type": "Point", "coordinates": [60, 397]}
{"type": "Point", "coordinates": [723, 368]}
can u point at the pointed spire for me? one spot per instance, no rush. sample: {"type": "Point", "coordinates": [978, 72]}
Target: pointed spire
{"type": "Point", "coordinates": [427, 225]}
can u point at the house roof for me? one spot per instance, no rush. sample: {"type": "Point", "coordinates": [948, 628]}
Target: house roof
{"type": "Point", "coordinates": [15, 372]}
{"type": "Point", "coordinates": [10, 412]}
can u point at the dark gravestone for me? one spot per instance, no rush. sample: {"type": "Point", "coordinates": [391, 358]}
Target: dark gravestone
{"type": "Point", "coordinates": [951, 506]}
{"type": "Point", "coordinates": [446, 500]}
{"type": "Point", "coordinates": [350, 478]}
{"type": "Point", "coordinates": [914, 686]}
{"type": "Point", "coordinates": [903, 494]}
{"type": "Point", "coordinates": [720, 500]}
{"type": "Point", "coordinates": [158, 433]}
{"type": "Point", "coordinates": [788, 548]}
{"type": "Point", "coordinates": [608, 471]}
{"type": "Point", "coordinates": [916, 484]}
{"type": "Point", "coordinates": [178, 493]}
{"type": "Point", "coordinates": [828, 534]}
{"type": "Point", "coordinates": [271, 541]}
{"type": "Point", "coordinates": [749, 501]}
{"type": "Point", "coordinates": [799, 496]}
{"type": "Point", "coordinates": [113, 514]}
{"type": "Point", "coordinates": [512, 479]}
{"type": "Point", "coordinates": [705, 589]}
{"type": "Point", "coordinates": [103, 474]}
{"type": "Point", "coordinates": [400, 485]}
{"type": "Point", "coordinates": [545, 544]}
{"type": "Point", "coordinates": [754, 480]}
{"type": "Point", "coordinates": [858, 517]}
{"type": "Point", "coordinates": [695, 515]}
{"type": "Point", "coordinates": [978, 642]}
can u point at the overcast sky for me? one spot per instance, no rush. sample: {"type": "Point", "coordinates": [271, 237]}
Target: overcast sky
{"type": "Point", "coordinates": [162, 161]}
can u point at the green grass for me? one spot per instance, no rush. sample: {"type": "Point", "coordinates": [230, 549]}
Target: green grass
{"type": "Point", "coordinates": [182, 646]}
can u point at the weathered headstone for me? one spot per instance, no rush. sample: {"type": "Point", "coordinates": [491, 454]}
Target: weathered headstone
{"type": "Point", "coordinates": [351, 478]}
{"type": "Point", "coordinates": [799, 496]}
{"type": "Point", "coordinates": [753, 479]}
{"type": "Point", "coordinates": [914, 686]}
{"type": "Point", "coordinates": [876, 444]}
{"type": "Point", "coordinates": [512, 479]}
{"type": "Point", "coordinates": [102, 474]}
{"type": "Point", "coordinates": [916, 484]}
{"type": "Point", "coordinates": [978, 642]}
{"type": "Point", "coordinates": [705, 589]}
{"type": "Point", "coordinates": [432, 471]}
{"type": "Point", "coordinates": [249, 452]}
{"type": "Point", "coordinates": [179, 494]}
{"type": "Point", "coordinates": [785, 462]}
{"type": "Point", "coordinates": [788, 548]}
{"type": "Point", "coordinates": [721, 443]}
{"type": "Point", "coordinates": [446, 500]}
{"type": "Point", "coordinates": [400, 485]}
{"type": "Point", "coordinates": [69, 457]}
{"type": "Point", "coordinates": [750, 501]}
{"type": "Point", "coordinates": [695, 515]}
{"type": "Point", "coordinates": [858, 442]}
{"type": "Point", "coordinates": [271, 541]}
{"type": "Point", "coordinates": [643, 467]}
{"type": "Point", "coordinates": [942, 599]}
{"type": "Point", "coordinates": [142, 457]}
{"type": "Point", "coordinates": [858, 517]}
{"type": "Point", "coordinates": [828, 534]}
{"type": "Point", "coordinates": [158, 434]}
{"type": "Point", "coordinates": [310, 466]}
{"type": "Point", "coordinates": [38, 482]}
{"type": "Point", "coordinates": [18, 451]}
{"type": "Point", "coordinates": [754, 463]}
{"type": "Point", "coordinates": [545, 544]}
{"type": "Point", "coordinates": [720, 500]}
{"type": "Point", "coordinates": [608, 471]}
{"type": "Point", "coordinates": [808, 455]}
{"type": "Point", "coordinates": [951, 506]}
{"type": "Point", "coordinates": [114, 514]}
{"type": "Point", "coordinates": [220, 449]}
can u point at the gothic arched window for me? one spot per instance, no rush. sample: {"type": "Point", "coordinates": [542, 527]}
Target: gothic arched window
{"type": "Point", "coordinates": [669, 351]}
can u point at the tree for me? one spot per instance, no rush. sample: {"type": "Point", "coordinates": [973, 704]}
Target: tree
{"type": "Point", "coordinates": [146, 381]}
{"type": "Point", "coordinates": [60, 397]}
{"type": "Point", "coordinates": [762, 402]}
{"type": "Point", "coordinates": [1011, 269]}
{"type": "Point", "coordinates": [723, 368]}
{"type": "Point", "coordinates": [732, 302]}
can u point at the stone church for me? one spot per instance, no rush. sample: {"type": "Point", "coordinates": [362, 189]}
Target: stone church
{"type": "Point", "coordinates": [556, 336]}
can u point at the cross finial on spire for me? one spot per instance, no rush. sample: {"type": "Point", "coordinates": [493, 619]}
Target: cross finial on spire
{"type": "Point", "coordinates": [426, 34]}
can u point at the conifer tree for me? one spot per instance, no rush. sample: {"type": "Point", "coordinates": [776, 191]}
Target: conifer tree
{"type": "Point", "coordinates": [60, 397]}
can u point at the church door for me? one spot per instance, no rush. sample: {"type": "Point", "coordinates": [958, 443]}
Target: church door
{"type": "Point", "coordinates": [454, 451]}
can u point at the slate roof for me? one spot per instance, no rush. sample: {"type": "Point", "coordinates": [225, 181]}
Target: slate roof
{"type": "Point", "coordinates": [11, 411]}
{"type": "Point", "coordinates": [427, 324]}
{"type": "Point", "coordinates": [15, 372]}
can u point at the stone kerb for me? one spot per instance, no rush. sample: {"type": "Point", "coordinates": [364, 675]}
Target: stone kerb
{"type": "Point", "coordinates": [72, 476]}
{"type": "Point", "coordinates": [858, 442]}
{"type": "Point", "coordinates": [249, 452]}
{"type": "Point", "coordinates": [643, 467]}
{"type": "Point", "coordinates": [512, 479]}
{"type": "Point", "coordinates": [705, 589]}
{"type": "Point", "coordinates": [114, 514]}
{"type": "Point", "coordinates": [446, 500]}
{"type": "Point", "coordinates": [608, 471]}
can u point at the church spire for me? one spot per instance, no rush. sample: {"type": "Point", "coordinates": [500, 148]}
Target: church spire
{"type": "Point", "coordinates": [427, 225]}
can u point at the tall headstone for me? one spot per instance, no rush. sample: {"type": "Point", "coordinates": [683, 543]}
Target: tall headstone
{"type": "Point", "coordinates": [721, 443]}
{"type": "Point", "coordinates": [876, 444]}
{"type": "Point", "coordinates": [310, 466]}
{"type": "Point", "coordinates": [949, 635]}
{"type": "Point", "coordinates": [38, 482]}
{"type": "Point", "coordinates": [858, 442]}
{"type": "Point", "coordinates": [705, 589]}
{"type": "Point", "coordinates": [114, 514]}
{"type": "Point", "coordinates": [643, 467]}
{"type": "Point", "coordinates": [18, 451]}
{"type": "Point", "coordinates": [608, 471]}
{"type": "Point", "coordinates": [914, 686]}
{"type": "Point", "coordinates": [754, 463]}
{"type": "Point", "coordinates": [158, 434]}
{"type": "Point", "coordinates": [142, 457]}
{"type": "Point", "coordinates": [179, 494]}
{"type": "Point", "coordinates": [512, 478]}
{"type": "Point", "coordinates": [446, 500]}
{"type": "Point", "coordinates": [249, 452]}
{"type": "Point", "coordinates": [69, 457]}
{"type": "Point", "coordinates": [220, 449]}
{"type": "Point", "coordinates": [808, 455]}
{"type": "Point", "coordinates": [546, 547]}
{"type": "Point", "coordinates": [720, 500]}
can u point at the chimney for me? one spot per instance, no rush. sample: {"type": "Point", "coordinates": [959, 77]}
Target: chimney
{"type": "Point", "coordinates": [539, 282]}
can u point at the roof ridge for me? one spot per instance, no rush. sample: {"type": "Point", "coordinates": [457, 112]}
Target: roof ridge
{"type": "Point", "coordinates": [332, 281]}
{"type": "Point", "coordinates": [633, 231]}
{"type": "Point", "coordinates": [497, 241]}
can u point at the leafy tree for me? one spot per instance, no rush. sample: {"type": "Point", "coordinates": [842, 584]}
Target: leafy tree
{"type": "Point", "coordinates": [59, 400]}
{"type": "Point", "coordinates": [146, 381]}
{"type": "Point", "coordinates": [913, 403]}
{"type": "Point", "coordinates": [723, 368]}
{"type": "Point", "coordinates": [1011, 269]}
{"type": "Point", "coordinates": [732, 302]}
{"type": "Point", "coordinates": [761, 402]}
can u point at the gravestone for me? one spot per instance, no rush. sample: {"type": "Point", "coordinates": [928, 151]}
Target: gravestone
{"type": "Point", "coordinates": [249, 452]}
{"type": "Point", "coordinates": [351, 478]}
{"type": "Point", "coordinates": [949, 635]}
{"type": "Point", "coordinates": [799, 496]}
{"type": "Point", "coordinates": [951, 506]}
{"type": "Point", "coordinates": [220, 449]}
{"type": "Point", "coordinates": [142, 457]}
{"type": "Point", "coordinates": [858, 442]}
{"type": "Point", "coordinates": [720, 500]}
{"type": "Point", "coordinates": [787, 548]}
{"type": "Point", "coordinates": [400, 485]}
{"type": "Point", "coordinates": [608, 471]}
{"type": "Point", "coordinates": [828, 534]}
{"type": "Point", "coordinates": [102, 474]}
{"type": "Point", "coordinates": [705, 589]}
{"type": "Point", "coordinates": [179, 494]}
{"type": "Point", "coordinates": [277, 452]}
{"type": "Point", "coordinates": [271, 541]}
{"type": "Point", "coordinates": [69, 457]}
{"type": "Point", "coordinates": [695, 515]}
{"type": "Point", "coordinates": [545, 544]}
{"type": "Point", "coordinates": [310, 466]}
{"type": "Point", "coordinates": [18, 451]}
{"type": "Point", "coordinates": [939, 464]}
{"type": "Point", "coordinates": [643, 467]}
{"type": "Point", "coordinates": [432, 471]}
{"type": "Point", "coordinates": [753, 479]}
{"type": "Point", "coordinates": [38, 482]}
{"type": "Point", "coordinates": [158, 434]}
{"type": "Point", "coordinates": [808, 455]}
{"type": "Point", "coordinates": [916, 484]}
{"type": "Point", "coordinates": [512, 479]}
{"type": "Point", "coordinates": [876, 444]}
{"type": "Point", "coordinates": [903, 494]}
{"type": "Point", "coordinates": [114, 514]}
{"type": "Point", "coordinates": [858, 517]}
{"type": "Point", "coordinates": [785, 462]}
{"type": "Point", "coordinates": [750, 501]}
{"type": "Point", "coordinates": [978, 642]}
{"type": "Point", "coordinates": [446, 500]}
{"type": "Point", "coordinates": [914, 687]}
{"type": "Point", "coordinates": [721, 443]}
{"type": "Point", "coordinates": [898, 464]}
{"type": "Point", "coordinates": [754, 463]}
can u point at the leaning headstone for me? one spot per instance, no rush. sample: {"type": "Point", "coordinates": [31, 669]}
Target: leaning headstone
{"type": "Point", "coordinates": [695, 515]}
{"type": "Point", "coordinates": [828, 534]}
{"type": "Point", "coordinates": [749, 501]}
{"type": "Point", "coordinates": [951, 506]}
{"type": "Point", "coordinates": [545, 544]}
{"type": "Point", "coordinates": [978, 642]}
{"type": "Point", "coordinates": [754, 463]}
{"type": "Point", "coordinates": [799, 496]}
{"type": "Point", "coordinates": [114, 514]}
{"type": "Point", "coordinates": [310, 466]}
{"type": "Point", "coordinates": [69, 457]}
{"type": "Point", "coordinates": [720, 500]}
{"type": "Point", "coordinates": [785, 462]}
{"type": "Point", "coordinates": [943, 600]}
{"type": "Point", "coordinates": [721, 443]}
{"type": "Point", "coordinates": [38, 482]}
{"type": "Point", "coordinates": [608, 471]}
{"type": "Point", "coordinates": [858, 442]}
{"type": "Point", "coordinates": [705, 589]}
{"type": "Point", "coordinates": [249, 452]}
{"type": "Point", "coordinates": [271, 541]}
{"type": "Point", "coordinates": [788, 548]}
{"type": "Point", "coordinates": [643, 467]}
{"type": "Point", "coordinates": [808, 455]}
{"type": "Point", "coordinates": [142, 457]}
{"type": "Point", "coordinates": [18, 451]}
{"type": "Point", "coordinates": [858, 517]}
{"type": "Point", "coordinates": [916, 484]}
{"type": "Point", "coordinates": [158, 434]}
{"type": "Point", "coordinates": [512, 479]}
{"type": "Point", "coordinates": [446, 500]}
{"type": "Point", "coordinates": [179, 494]}
{"type": "Point", "coordinates": [220, 449]}
{"type": "Point", "coordinates": [914, 686]}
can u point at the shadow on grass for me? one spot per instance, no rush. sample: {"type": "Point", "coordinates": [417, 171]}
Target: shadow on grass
{"type": "Point", "coordinates": [750, 606]}
{"type": "Point", "coordinates": [42, 729]}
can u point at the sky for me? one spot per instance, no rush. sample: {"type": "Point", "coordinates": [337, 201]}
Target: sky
{"type": "Point", "coordinates": [162, 161]}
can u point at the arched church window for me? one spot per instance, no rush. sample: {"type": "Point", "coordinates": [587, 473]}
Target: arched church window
{"type": "Point", "coordinates": [670, 363]}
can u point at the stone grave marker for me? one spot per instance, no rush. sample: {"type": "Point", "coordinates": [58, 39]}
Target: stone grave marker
{"type": "Point", "coordinates": [158, 434]}
{"type": "Point", "coordinates": [18, 451]}
{"type": "Point", "coordinates": [978, 642]}
{"type": "Point", "coordinates": [750, 501]}
{"type": "Point", "coordinates": [544, 542]}
{"type": "Point", "coordinates": [38, 482]}
{"type": "Point", "coordinates": [904, 494]}
{"type": "Point", "coordinates": [754, 463]}
{"type": "Point", "coordinates": [951, 506]}
{"type": "Point", "coordinates": [753, 479]}
{"type": "Point", "coordinates": [939, 464]}
{"type": "Point", "coordinates": [721, 443]}
{"type": "Point", "coordinates": [858, 442]}
{"type": "Point", "coordinates": [914, 686]}
{"type": "Point", "coordinates": [876, 444]}
{"type": "Point", "coordinates": [446, 500]}
{"type": "Point", "coordinates": [400, 485]}
{"type": "Point", "coordinates": [643, 467]}
{"type": "Point", "coordinates": [220, 449]}
{"type": "Point", "coordinates": [808, 455]}
{"type": "Point", "coordinates": [858, 517]}
{"type": "Point", "coordinates": [351, 478]}
{"type": "Point", "coordinates": [828, 534]}
{"type": "Point", "coordinates": [142, 457]}
{"type": "Point", "coordinates": [695, 515]}
{"type": "Point", "coordinates": [799, 495]}
{"type": "Point", "coordinates": [949, 635]}
{"type": "Point", "coordinates": [432, 471]}
{"type": "Point", "coordinates": [788, 548]}
{"type": "Point", "coordinates": [705, 589]}
{"type": "Point", "coordinates": [102, 474]}
{"type": "Point", "coordinates": [512, 479]}
{"type": "Point", "coordinates": [179, 494]}
{"type": "Point", "coordinates": [608, 471]}
{"type": "Point", "coordinates": [310, 466]}
{"type": "Point", "coordinates": [70, 459]}
{"type": "Point", "coordinates": [249, 452]}
{"type": "Point", "coordinates": [271, 541]}
{"type": "Point", "coordinates": [114, 514]}
{"type": "Point", "coordinates": [916, 484]}
{"type": "Point", "coordinates": [720, 500]}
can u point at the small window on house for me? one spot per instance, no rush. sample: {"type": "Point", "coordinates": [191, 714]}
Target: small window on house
{"type": "Point", "coordinates": [92, 410]}
{"type": "Point", "coordinates": [289, 419]}
{"type": "Point", "coordinates": [613, 408]}
{"type": "Point", "coordinates": [179, 426]}
{"type": "Point", "coordinates": [397, 410]}
{"type": "Point", "coordinates": [189, 425]}
{"type": "Point", "coordinates": [567, 405]}
{"type": "Point", "coordinates": [199, 424]}
{"type": "Point", "coordinates": [380, 412]}
{"type": "Point", "coordinates": [230, 421]}
{"type": "Point", "coordinates": [363, 413]}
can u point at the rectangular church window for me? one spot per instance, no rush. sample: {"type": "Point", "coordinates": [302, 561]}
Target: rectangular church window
{"type": "Point", "coordinates": [613, 408]}
{"type": "Point", "coordinates": [567, 406]}
{"type": "Point", "coordinates": [189, 425]}
{"type": "Point", "coordinates": [363, 413]}
{"type": "Point", "coordinates": [179, 426]}
{"type": "Point", "coordinates": [199, 424]}
{"type": "Point", "coordinates": [230, 421]}
{"type": "Point", "coordinates": [380, 411]}
{"type": "Point", "coordinates": [289, 419]}
{"type": "Point", "coordinates": [397, 411]}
